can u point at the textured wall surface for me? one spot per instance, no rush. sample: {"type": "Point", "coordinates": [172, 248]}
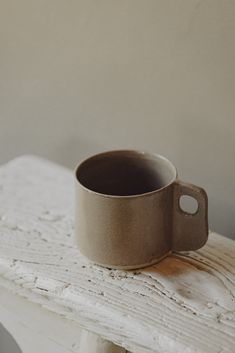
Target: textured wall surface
{"type": "Point", "coordinates": [78, 77]}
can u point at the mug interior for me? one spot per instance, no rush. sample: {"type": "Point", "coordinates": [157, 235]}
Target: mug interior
{"type": "Point", "coordinates": [125, 173]}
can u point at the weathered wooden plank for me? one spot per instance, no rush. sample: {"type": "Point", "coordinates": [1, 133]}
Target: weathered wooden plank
{"type": "Point", "coordinates": [183, 304]}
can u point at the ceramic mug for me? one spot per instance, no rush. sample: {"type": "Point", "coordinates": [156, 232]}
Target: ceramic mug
{"type": "Point", "coordinates": [128, 213]}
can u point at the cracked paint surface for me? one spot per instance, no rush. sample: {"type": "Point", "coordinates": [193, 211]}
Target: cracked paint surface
{"type": "Point", "coordinates": [186, 303]}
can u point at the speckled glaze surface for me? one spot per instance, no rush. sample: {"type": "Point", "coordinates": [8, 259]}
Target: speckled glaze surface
{"type": "Point", "coordinates": [127, 210]}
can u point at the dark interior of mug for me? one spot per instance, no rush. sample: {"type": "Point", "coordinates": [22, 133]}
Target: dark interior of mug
{"type": "Point", "coordinates": [125, 173]}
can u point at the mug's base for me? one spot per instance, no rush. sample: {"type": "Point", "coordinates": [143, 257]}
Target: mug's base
{"type": "Point", "coordinates": [133, 267]}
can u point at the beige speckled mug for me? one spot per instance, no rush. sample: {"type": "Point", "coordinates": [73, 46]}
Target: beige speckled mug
{"type": "Point", "coordinates": [128, 213]}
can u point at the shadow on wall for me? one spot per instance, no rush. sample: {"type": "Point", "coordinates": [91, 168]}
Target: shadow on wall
{"type": "Point", "coordinates": [7, 342]}
{"type": "Point", "coordinates": [73, 150]}
{"type": "Point", "coordinates": [210, 147]}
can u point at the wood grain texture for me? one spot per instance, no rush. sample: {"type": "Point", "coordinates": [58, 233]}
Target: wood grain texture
{"type": "Point", "coordinates": [186, 303]}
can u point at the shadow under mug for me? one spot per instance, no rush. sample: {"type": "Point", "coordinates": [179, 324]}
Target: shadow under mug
{"type": "Point", "coordinates": [128, 213]}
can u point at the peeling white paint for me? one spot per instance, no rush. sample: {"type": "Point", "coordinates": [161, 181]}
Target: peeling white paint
{"type": "Point", "coordinates": [186, 303]}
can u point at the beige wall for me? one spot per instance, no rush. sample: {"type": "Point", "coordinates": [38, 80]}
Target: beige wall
{"type": "Point", "coordinates": [77, 77]}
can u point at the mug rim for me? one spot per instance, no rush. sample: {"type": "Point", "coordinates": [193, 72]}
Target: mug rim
{"type": "Point", "coordinates": [140, 152]}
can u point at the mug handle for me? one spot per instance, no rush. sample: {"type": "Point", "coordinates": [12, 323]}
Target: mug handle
{"type": "Point", "coordinates": [190, 230]}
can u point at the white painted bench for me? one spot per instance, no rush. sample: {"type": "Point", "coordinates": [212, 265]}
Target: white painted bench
{"type": "Point", "coordinates": [51, 297]}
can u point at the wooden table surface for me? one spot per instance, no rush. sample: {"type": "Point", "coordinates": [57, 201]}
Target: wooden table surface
{"type": "Point", "coordinates": [186, 303]}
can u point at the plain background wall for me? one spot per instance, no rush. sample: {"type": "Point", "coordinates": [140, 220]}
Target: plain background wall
{"type": "Point", "coordinates": [79, 77]}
